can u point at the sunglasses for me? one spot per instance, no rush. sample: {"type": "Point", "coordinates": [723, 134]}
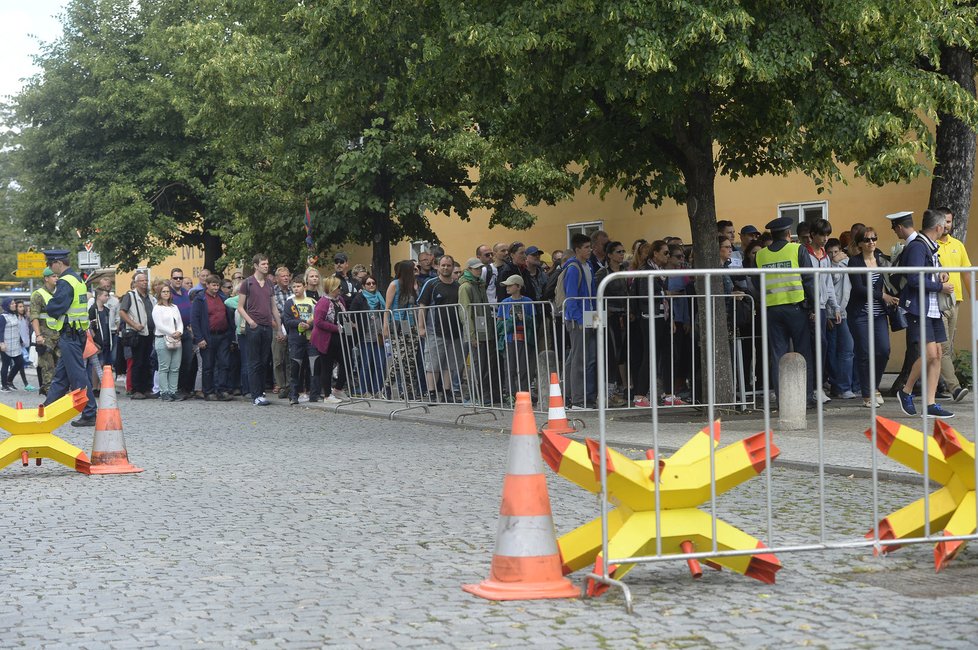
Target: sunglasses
{"type": "Point", "coordinates": [177, 277]}
{"type": "Point", "coordinates": [871, 239]}
{"type": "Point", "coordinates": [369, 282]}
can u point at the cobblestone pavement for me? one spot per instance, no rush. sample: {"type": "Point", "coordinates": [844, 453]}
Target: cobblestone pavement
{"type": "Point", "coordinates": [290, 527]}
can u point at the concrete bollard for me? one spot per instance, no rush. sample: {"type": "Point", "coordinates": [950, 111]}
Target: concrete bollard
{"type": "Point", "coordinates": [546, 364]}
{"type": "Point", "coordinates": [792, 392]}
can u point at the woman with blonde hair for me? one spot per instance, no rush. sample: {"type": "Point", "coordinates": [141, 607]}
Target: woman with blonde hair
{"type": "Point", "coordinates": [169, 331]}
{"type": "Point", "coordinates": [326, 338]}
{"type": "Point", "coordinates": [314, 283]}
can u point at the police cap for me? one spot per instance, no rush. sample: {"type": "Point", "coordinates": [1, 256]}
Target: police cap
{"type": "Point", "coordinates": [783, 223]}
{"type": "Point", "coordinates": [56, 254]}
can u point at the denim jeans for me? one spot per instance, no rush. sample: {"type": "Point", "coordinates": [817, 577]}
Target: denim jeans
{"type": "Point", "coordinates": [372, 370]}
{"type": "Point", "coordinates": [259, 343]}
{"type": "Point", "coordinates": [840, 355]}
{"type": "Point", "coordinates": [215, 361]}
{"type": "Point", "coordinates": [859, 326]}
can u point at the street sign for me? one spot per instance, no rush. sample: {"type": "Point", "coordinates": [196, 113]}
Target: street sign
{"type": "Point", "coordinates": [89, 260]}
{"type": "Point", "coordinates": [30, 265]}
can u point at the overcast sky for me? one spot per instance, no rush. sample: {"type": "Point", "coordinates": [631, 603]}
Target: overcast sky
{"type": "Point", "coordinates": [22, 23]}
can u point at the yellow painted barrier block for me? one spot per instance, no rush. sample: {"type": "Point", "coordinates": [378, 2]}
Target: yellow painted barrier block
{"type": "Point", "coordinates": [951, 460]}
{"type": "Point", "coordinates": [959, 452]}
{"type": "Point", "coordinates": [683, 486]}
{"type": "Point", "coordinates": [32, 437]}
{"type": "Point", "coordinates": [906, 446]}
{"type": "Point", "coordinates": [697, 447]}
{"type": "Point", "coordinates": [570, 459]}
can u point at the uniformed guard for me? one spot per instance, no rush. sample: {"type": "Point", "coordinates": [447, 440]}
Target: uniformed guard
{"type": "Point", "coordinates": [45, 336]}
{"type": "Point", "coordinates": [68, 311]}
{"type": "Point", "coordinates": [789, 299]}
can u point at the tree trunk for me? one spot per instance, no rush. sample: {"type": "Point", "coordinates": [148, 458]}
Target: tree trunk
{"type": "Point", "coordinates": [213, 250]}
{"type": "Point", "coordinates": [954, 173]}
{"type": "Point", "coordinates": [695, 140]}
{"type": "Point", "coordinates": [381, 259]}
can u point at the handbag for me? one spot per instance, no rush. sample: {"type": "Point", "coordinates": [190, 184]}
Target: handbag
{"type": "Point", "coordinates": [896, 318]}
{"type": "Point", "coordinates": [171, 342]}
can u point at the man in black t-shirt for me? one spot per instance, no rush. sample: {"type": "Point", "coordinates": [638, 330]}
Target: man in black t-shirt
{"type": "Point", "coordinates": [440, 325]}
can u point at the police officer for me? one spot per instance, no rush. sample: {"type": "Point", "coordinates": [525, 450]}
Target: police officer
{"type": "Point", "coordinates": [68, 311]}
{"type": "Point", "coordinates": [45, 336]}
{"type": "Point", "coordinates": [789, 299]}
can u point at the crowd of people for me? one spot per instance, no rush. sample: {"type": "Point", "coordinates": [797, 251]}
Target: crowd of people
{"type": "Point", "coordinates": [447, 332]}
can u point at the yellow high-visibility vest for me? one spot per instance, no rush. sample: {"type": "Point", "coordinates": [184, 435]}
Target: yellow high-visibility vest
{"type": "Point", "coordinates": [77, 315]}
{"type": "Point", "coordinates": [782, 288]}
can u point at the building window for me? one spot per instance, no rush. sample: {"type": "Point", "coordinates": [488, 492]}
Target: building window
{"type": "Point", "coordinates": [418, 247]}
{"type": "Point", "coordinates": [807, 212]}
{"type": "Point", "coordinates": [585, 227]}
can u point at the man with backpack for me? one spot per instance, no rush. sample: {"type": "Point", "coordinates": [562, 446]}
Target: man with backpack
{"type": "Point", "coordinates": [575, 300]}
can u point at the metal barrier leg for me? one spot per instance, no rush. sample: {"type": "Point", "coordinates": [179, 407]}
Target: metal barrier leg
{"type": "Point", "coordinates": [611, 582]}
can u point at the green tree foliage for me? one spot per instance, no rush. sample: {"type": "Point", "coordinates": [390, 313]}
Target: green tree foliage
{"type": "Point", "coordinates": [658, 97]}
{"type": "Point", "coordinates": [317, 101]}
{"type": "Point", "coordinates": [100, 149]}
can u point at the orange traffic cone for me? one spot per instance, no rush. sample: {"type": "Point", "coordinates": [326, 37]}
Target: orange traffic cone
{"type": "Point", "coordinates": [90, 348]}
{"type": "Point", "coordinates": [526, 563]}
{"type": "Point", "coordinates": [109, 454]}
{"type": "Point", "coordinates": [556, 415]}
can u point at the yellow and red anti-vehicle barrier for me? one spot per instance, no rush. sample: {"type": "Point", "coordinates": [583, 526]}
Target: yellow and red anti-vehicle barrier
{"type": "Point", "coordinates": [32, 437]}
{"type": "Point", "coordinates": [684, 484]}
{"type": "Point", "coordinates": [950, 462]}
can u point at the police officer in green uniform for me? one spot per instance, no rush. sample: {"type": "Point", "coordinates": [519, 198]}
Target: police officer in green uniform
{"type": "Point", "coordinates": [789, 300]}
{"type": "Point", "coordinates": [68, 309]}
{"type": "Point", "coordinates": [45, 336]}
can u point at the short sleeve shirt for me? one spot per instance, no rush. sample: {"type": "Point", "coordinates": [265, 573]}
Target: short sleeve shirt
{"type": "Point", "coordinates": [444, 320]}
{"type": "Point", "coordinates": [258, 300]}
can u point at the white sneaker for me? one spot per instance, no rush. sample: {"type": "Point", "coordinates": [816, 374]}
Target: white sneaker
{"type": "Point", "coordinates": [340, 395]}
{"type": "Point", "coordinates": [304, 397]}
{"type": "Point", "coordinates": [261, 401]}
{"type": "Point", "coordinates": [848, 395]}
{"type": "Point", "coordinates": [822, 397]}
{"type": "Point", "coordinates": [333, 399]}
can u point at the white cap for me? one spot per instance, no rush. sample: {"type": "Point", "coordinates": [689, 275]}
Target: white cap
{"type": "Point", "coordinates": [899, 215]}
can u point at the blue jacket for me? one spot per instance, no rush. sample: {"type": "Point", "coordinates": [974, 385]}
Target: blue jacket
{"type": "Point", "coordinates": [200, 322]}
{"type": "Point", "coordinates": [921, 251]}
{"type": "Point", "coordinates": [576, 286]}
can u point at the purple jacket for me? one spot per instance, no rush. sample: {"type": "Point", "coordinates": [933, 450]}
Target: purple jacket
{"type": "Point", "coordinates": [323, 329]}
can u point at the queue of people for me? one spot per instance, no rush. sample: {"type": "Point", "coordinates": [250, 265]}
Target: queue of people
{"type": "Point", "coordinates": [447, 332]}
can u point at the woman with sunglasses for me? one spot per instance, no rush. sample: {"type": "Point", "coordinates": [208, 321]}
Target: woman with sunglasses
{"type": "Point", "coordinates": [868, 294]}
{"type": "Point", "coordinates": [367, 312]}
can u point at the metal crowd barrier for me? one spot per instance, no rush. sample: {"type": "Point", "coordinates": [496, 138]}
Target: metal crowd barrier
{"type": "Point", "coordinates": [778, 541]}
{"type": "Point", "coordinates": [671, 374]}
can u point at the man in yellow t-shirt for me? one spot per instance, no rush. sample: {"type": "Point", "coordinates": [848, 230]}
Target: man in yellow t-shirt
{"type": "Point", "coordinates": [952, 253]}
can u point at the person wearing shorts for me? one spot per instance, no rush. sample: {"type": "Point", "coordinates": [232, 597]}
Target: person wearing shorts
{"type": "Point", "coordinates": [922, 251]}
{"type": "Point", "coordinates": [441, 327]}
